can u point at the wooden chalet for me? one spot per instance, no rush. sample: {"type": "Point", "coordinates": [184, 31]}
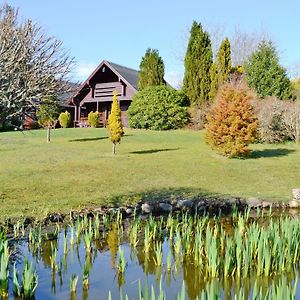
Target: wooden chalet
{"type": "Point", "coordinates": [96, 92]}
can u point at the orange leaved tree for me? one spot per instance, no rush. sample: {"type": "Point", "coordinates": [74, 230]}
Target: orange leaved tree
{"type": "Point", "coordinates": [232, 124]}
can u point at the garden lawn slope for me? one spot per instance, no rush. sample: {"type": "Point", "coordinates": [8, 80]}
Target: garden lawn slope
{"type": "Point", "coordinates": [77, 170]}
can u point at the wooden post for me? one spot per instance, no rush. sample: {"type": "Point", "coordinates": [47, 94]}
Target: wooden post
{"type": "Point", "coordinates": [97, 105]}
{"type": "Point", "coordinates": [75, 113]}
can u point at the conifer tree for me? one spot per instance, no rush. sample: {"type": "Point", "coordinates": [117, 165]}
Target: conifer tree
{"type": "Point", "coordinates": [152, 69]}
{"type": "Point", "coordinates": [224, 62]}
{"type": "Point", "coordinates": [114, 125]}
{"type": "Point", "coordinates": [265, 75]}
{"type": "Point", "coordinates": [232, 124]}
{"type": "Point", "coordinates": [198, 61]}
{"type": "Point", "coordinates": [213, 83]}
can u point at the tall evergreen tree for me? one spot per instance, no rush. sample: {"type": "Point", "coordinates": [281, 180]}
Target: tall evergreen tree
{"type": "Point", "coordinates": [224, 62]}
{"type": "Point", "coordinates": [265, 75]}
{"type": "Point", "coordinates": [198, 61]}
{"type": "Point", "coordinates": [213, 82]}
{"type": "Point", "coordinates": [152, 69]}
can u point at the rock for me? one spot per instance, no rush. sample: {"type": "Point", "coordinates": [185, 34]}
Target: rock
{"type": "Point", "coordinates": [184, 204]}
{"type": "Point", "coordinates": [253, 202]}
{"type": "Point", "coordinates": [266, 204]}
{"type": "Point", "coordinates": [146, 208]}
{"type": "Point", "coordinates": [55, 218]}
{"type": "Point", "coordinates": [294, 203]}
{"type": "Point", "coordinates": [165, 207]}
{"type": "Point", "coordinates": [128, 210]}
{"type": "Point", "coordinates": [296, 194]}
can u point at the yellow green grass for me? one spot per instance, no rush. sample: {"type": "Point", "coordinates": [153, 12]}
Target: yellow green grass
{"type": "Point", "coordinates": [77, 170]}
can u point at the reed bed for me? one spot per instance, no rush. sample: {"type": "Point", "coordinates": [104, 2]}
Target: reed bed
{"type": "Point", "coordinates": [218, 249]}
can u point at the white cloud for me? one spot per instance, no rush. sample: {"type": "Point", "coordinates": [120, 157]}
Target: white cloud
{"type": "Point", "coordinates": [83, 70]}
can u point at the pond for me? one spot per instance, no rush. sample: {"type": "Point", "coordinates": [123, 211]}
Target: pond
{"type": "Point", "coordinates": [173, 257]}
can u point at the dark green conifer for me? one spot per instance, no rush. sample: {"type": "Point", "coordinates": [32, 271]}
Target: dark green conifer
{"type": "Point", "coordinates": [265, 75]}
{"type": "Point", "coordinates": [224, 62]}
{"type": "Point", "coordinates": [198, 61]}
{"type": "Point", "coordinates": [152, 70]}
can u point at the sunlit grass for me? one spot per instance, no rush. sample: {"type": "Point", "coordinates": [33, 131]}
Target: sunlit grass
{"type": "Point", "coordinates": [77, 170]}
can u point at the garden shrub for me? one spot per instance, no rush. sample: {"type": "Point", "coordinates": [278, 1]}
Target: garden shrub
{"type": "Point", "coordinates": [65, 119]}
{"type": "Point", "coordinates": [232, 124]}
{"type": "Point", "coordinates": [198, 116]}
{"type": "Point", "coordinates": [158, 108]}
{"type": "Point", "coordinates": [94, 119]}
{"type": "Point", "coordinates": [271, 116]}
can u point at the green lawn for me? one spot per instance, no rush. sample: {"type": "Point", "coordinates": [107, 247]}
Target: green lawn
{"type": "Point", "coordinates": [77, 170]}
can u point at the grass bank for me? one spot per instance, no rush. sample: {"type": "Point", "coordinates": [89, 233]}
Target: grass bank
{"type": "Point", "coordinates": [77, 170]}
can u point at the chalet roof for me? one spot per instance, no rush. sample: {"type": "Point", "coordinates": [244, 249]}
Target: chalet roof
{"type": "Point", "coordinates": [131, 75]}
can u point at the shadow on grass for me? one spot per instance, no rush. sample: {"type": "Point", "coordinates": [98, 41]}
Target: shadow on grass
{"type": "Point", "coordinates": [163, 194]}
{"type": "Point", "coordinates": [150, 151]}
{"type": "Point", "coordinates": [270, 153]}
{"type": "Point", "coordinates": [89, 139]}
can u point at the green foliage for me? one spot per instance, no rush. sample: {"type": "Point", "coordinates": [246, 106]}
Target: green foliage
{"type": "Point", "coordinates": [232, 125]}
{"type": "Point", "coordinates": [265, 75]}
{"type": "Point", "coordinates": [114, 124]}
{"type": "Point", "coordinates": [94, 119]}
{"type": "Point", "coordinates": [48, 112]}
{"type": "Point", "coordinates": [65, 119]}
{"type": "Point", "coordinates": [152, 69]}
{"type": "Point", "coordinates": [296, 87]}
{"type": "Point", "coordinates": [158, 108]}
{"type": "Point", "coordinates": [197, 63]}
{"type": "Point", "coordinates": [214, 82]}
{"type": "Point", "coordinates": [224, 62]}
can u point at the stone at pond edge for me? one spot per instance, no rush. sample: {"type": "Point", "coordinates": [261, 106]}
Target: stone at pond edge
{"type": "Point", "coordinates": [294, 203]}
{"type": "Point", "coordinates": [184, 204]}
{"type": "Point", "coordinates": [296, 194]}
{"type": "Point", "coordinates": [55, 218]}
{"type": "Point", "coordinates": [165, 207]}
{"type": "Point", "coordinates": [253, 202]}
{"type": "Point", "coordinates": [146, 208]}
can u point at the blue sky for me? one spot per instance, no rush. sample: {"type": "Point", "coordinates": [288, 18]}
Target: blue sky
{"type": "Point", "coordinates": [121, 31]}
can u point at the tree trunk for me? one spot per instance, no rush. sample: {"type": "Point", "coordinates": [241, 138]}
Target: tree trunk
{"type": "Point", "coordinates": [113, 148]}
{"type": "Point", "coordinates": [48, 134]}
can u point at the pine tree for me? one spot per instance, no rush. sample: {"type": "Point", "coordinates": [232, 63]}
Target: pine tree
{"type": "Point", "coordinates": [114, 125]}
{"type": "Point", "coordinates": [213, 82]}
{"type": "Point", "coordinates": [198, 61]}
{"type": "Point", "coordinates": [224, 62]}
{"type": "Point", "coordinates": [265, 75]}
{"type": "Point", "coordinates": [152, 69]}
{"type": "Point", "coordinates": [231, 124]}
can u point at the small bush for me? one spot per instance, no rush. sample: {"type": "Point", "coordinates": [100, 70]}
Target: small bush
{"type": "Point", "coordinates": [158, 108]}
{"type": "Point", "coordinates": [271, 114]}
{"type": "Point", "coordinates": [65, 119]}
{"type": "Point", "coordinates": [232, 124]}
{"type": "Point", "coordinates": [94, 119]}
{"type": "Point", "coordinates": [198, 116]}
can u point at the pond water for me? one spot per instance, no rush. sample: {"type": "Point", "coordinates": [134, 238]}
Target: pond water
{"type": "Point", "coordinates": [58, 253]}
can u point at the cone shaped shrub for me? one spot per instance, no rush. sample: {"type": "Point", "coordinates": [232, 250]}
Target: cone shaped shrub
{"type": "Point", "coordinates": [65, 119]}
{"type": "Point", "coordinates": [115, 126]}
{"type": "Point", "coordinates": [232, 124]}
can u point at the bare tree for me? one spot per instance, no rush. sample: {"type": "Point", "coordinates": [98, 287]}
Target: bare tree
{"type": "Point", "coordinates": [32, 65]}
{"type": "Point", "coordinates": [243, 44]}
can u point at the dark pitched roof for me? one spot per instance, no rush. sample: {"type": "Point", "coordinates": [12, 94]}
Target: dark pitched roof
{"type": "Point", "coordinates": [131, 75]}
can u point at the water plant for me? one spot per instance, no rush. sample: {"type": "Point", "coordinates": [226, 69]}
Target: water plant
{"type": "Point", "coordinates": [73, 283]}
{"type": "Point", "coordinates": [29, 281]}
{"type": "Point", "coordinates": [121, 261]}
{"type": "Point", "coordinates": [4, 267]}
